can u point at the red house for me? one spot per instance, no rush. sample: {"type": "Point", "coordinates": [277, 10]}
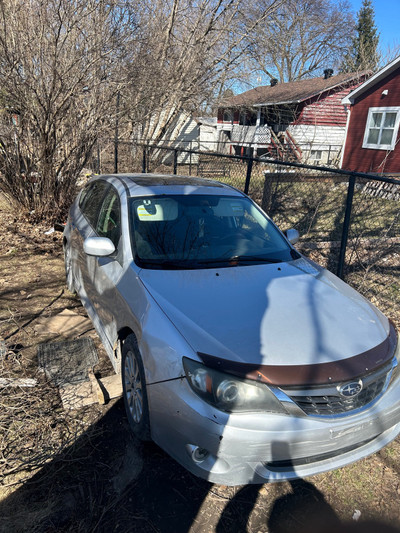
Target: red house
{"type": "Point", "coordinates": [372, 136]}
{"type": "Point", "coordinates": [303, 119]}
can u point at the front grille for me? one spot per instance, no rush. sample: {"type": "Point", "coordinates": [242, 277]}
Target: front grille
{"type": "Point", "coordinates": [326, 401]}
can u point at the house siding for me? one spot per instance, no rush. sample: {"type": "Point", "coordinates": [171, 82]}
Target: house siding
{"type": "Point", "coordinates": [326, 139]}
{"type": "Point", "coordinates": [318, 135]}
{"type": "Point", "coordinates": [361, 159]}
{"type": "Point", "coordinates": [325, 109]}
{"type": "Point", "coordinates": [208, 137]}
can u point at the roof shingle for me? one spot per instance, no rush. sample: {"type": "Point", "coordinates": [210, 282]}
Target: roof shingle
{"type": "Point", "coordinates": [292, 92]}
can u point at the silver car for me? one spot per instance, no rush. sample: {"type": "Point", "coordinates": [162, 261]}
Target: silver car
{"type": "Point", "coordinates": [245, 361]}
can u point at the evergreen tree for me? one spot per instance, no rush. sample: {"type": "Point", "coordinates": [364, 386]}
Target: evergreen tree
{"type": "Point", "coordinates": [364, 52]}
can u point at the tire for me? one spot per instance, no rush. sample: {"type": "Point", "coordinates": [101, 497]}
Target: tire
{"type": "Point", "coordinates": [134, 389]}
{"type": "Point", "coordinates": [69, 278]}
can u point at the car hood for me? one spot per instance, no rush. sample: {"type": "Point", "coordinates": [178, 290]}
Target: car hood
{"type": "Point", "coordinates": [274, 315]}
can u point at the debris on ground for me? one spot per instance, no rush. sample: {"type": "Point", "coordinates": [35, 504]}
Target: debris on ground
{"type": "Point", "coordinates": [67, 324]}
{"type": "Point", "coordinates": [67, 362]}
{"type": "Point", "coordinates": [69, 366]}
{"type": "Point", "coordinates": [95, 390]}
{"type": "Point", "coordinates": [17, 382]}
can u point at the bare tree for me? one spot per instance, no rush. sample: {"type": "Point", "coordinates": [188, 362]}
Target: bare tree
{"type": "Point", "coordinates": [388, 54]}
{"type": "Point", "coordinates": [58, 71]}
{"type": "Point", "coordinates": [186, 53]}
{"type": "Point", "coordinates": [64, 65]}
{"type": "Point", "coordinates": [300, 38]}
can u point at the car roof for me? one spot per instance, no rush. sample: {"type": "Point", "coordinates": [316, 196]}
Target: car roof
{"type": "Point", "coordinates": [153, 184]}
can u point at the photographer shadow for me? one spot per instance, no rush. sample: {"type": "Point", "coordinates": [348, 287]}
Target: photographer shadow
{"type": "Point", "coordinates": [302, 509]}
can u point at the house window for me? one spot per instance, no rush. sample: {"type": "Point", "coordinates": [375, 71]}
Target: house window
{"type": "Point", "coordinates": [228, 116]}
{"type": "Point", "coordinates": [248, 118]}
{"type": "Point", "coordinates": [244, 118]}
{"type": "Point", "coordinates": [382, 128]}
{"type": "Point", "coordinates": [316, 155]}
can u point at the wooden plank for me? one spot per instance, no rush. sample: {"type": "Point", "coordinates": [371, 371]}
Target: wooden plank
{"type": "Point", "coordinates": [77, 396]}
{"type": "Point", "coordinates": [112, 385]}
{"type": "Point", "coordinates": [66, 323]}
{"type": "Point", "coordinates": [92, 391]}
{"type": "Point", "coordinates": [96, 388]}
{"type": "Point", "coordinates": [17, 382]}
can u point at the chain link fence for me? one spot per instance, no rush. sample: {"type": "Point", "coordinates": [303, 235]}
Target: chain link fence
{"type": "Point", "coordinates": [372, 263]}
{"type": "Point", "coordinates": [348, 222]}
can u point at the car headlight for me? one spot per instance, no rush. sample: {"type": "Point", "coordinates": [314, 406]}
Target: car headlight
{"type": "Point", "coordinates": [229, 393]}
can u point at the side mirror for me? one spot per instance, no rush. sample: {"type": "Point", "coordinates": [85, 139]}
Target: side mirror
{"type": "Point", "coordinates": [98, 246]}
{"type": "Point", "coordinates": [292, 235]}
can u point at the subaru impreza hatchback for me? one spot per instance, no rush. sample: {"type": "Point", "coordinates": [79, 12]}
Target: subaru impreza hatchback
{"type": "Point", "coordinates": [245, 361]}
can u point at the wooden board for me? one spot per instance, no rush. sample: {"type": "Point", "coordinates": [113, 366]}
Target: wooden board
{"type": "Point", "coordinates": [66, 323]}
{"type": "Point", "coordinates": [17, 382]}
{"type": "Point", "coordinates": [92, 391]}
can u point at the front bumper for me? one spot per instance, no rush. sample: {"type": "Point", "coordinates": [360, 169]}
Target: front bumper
{"type": "Point", "coordinates": [263, 447]}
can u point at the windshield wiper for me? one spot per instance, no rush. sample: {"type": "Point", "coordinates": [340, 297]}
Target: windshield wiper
{"type": "Point", "coordinates": [253, 259]}
{"type": "Point", "coordinates": [195, 263]}
{"type": "Point", "coordinates": [163, 264]}
{"type": "Point", "coordinates": [236, 259]}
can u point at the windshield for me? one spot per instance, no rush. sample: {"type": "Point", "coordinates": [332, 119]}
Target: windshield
{"type": "Point", "coordinates": [198, 231]}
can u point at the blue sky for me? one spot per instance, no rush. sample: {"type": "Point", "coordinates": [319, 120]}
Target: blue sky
{"type": "Point", "coordinates": [387, 17]}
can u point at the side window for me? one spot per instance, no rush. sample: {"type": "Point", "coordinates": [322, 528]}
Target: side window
{"type": "Point", "coordinates": [84, 194]}
{"type": "Point", "coordinates": [109, 221]}
{"type": "Point", "coordinates": [381, 128]}
{"type": "Point", "coordinates": [91, 200]}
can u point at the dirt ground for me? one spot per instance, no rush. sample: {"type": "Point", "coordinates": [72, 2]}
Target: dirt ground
{"type": "Point", "coordinates": [82, 471]}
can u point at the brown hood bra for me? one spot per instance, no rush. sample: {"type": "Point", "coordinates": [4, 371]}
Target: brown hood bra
{"type": "Point", "coordinates": [315, 374]}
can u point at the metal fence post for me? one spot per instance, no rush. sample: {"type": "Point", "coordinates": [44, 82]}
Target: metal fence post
{"type": "Point", "coordinates": [116, 140]}
{"type": "Point", "coordinates": [144, 162]}
{"type": "Point", "coordinates": [175, 161]}
{"type": "Point", "coordinates": [98, 164]}
{"type": "Point", "coordinates": [346, 225]}
{"type": "Point", "coordinates": [266, 202]}
{"type": "Point", "coordinates": [248, 175]}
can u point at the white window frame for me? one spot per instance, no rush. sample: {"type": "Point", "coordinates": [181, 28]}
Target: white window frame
{"type": "Point", "coordinates": [382, 110]}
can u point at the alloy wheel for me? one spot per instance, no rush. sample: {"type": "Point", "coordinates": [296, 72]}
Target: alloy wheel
{"type": "Point", "coordinates": [133, 387]}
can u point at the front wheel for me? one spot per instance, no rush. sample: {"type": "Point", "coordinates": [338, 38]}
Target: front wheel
{"type": "Point", "coordinates": [134, 389]}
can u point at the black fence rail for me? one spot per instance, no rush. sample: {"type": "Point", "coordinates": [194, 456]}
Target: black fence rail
{"type": "Point", "coordinates": [111, 154]}
{"type": "Point", "coordinates": [348, 221]}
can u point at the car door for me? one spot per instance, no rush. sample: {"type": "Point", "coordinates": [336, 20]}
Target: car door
{"type": "Point", "coordinates": [105, 272]}
{"type": "Point", "coordinates": [84, 226]}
